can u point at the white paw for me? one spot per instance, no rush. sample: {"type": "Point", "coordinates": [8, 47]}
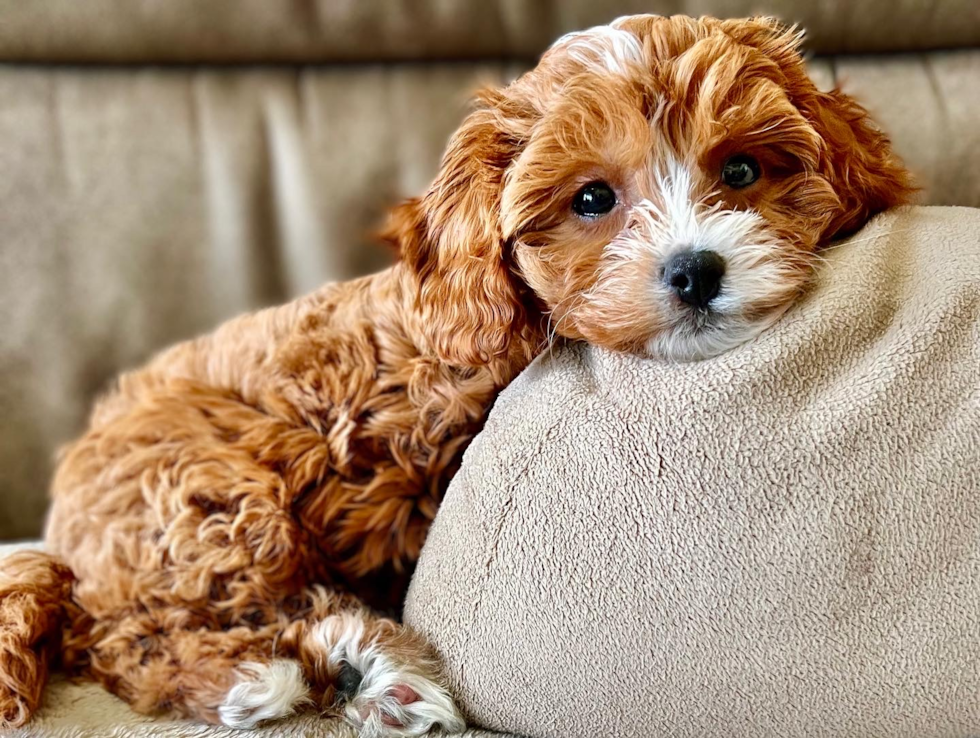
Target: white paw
{"type": "Point", "coordinates": [263, 692]}
{"type": "Point", "coordinates": [394, 698]}
{"type": "Point", "coordinates": [394, 701]}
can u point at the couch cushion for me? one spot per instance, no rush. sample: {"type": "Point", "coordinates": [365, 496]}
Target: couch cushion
{"type": "Point", "coordinates": [119, 31]}
{"type": "Point", "coordinates": [782, 540]}
{"type": "Point", "coordinates": [86, 710]}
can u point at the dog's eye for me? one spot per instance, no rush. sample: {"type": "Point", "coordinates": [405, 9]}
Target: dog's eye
{"type": "Point", "coordinates": [740, 171]}
{"type": "Point", "coordinates": [593, 200]}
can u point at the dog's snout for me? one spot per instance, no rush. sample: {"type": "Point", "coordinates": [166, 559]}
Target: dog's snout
{"type": "Point", "coordinates": [695, 276]}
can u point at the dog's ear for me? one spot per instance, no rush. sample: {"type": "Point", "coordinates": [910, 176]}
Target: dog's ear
{"type": "Point", "coordinates": [857, 159]}
{"type": "Point", "coordinates": [451, 239]}
{"type": "Point", "coordinates": [856, 156]}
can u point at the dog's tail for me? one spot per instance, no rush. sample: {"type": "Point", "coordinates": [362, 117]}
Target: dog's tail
{"type": "Point", "coordinates": [35, 597]}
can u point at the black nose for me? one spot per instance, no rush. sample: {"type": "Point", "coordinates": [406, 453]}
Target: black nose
{"type": "Point", "coordinates": [695, 276]}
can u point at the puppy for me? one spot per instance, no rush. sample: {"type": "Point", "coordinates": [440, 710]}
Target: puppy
{"type": "Point", "coordinates": [657, 186]}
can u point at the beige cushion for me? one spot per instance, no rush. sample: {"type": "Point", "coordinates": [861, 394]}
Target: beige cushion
{"type": "Point", "coordinates": [780, 541]}
{"type": "Point", "coordinates": [376, 30]}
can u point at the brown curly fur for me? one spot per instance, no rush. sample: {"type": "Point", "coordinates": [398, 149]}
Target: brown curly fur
{"type": "Point", "coordinates": [34, 591]}
{"type": "Point", "coordinates": [245, 485]}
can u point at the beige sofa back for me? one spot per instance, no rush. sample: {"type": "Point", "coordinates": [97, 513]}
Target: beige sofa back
{"type": "Point", "coordinates": [168, 165]}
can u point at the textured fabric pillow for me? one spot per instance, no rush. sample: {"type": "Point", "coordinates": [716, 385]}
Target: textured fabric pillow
{"type": "Point", "coordinates": [781, 541]}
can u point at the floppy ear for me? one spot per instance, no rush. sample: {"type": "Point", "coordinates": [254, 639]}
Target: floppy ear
{"type": "Point", "coordinates": [857, 160]}
{"type": "Point", "coordinates": [472, 305]}
{"type": "Point", "coordinates": [856, 157]}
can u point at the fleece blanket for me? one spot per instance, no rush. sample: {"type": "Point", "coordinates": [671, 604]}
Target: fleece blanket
{"type": "Point", "coordinates": [781, 541]}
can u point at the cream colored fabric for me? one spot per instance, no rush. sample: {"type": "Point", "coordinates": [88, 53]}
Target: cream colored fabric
{"type": "Point", "coordinates": [141, 206]}
{"type": "Point", "coordinates": [86, 710]}
{"type": "Point", "coordinates": [229, 31]}
{"type": "Point", "coordinates": [781, 541]}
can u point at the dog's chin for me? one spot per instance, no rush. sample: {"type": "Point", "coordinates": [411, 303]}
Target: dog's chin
{"type": "Point", "coordinates": [698, 335]}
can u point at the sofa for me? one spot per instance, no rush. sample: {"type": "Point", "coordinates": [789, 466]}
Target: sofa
{"type": "Point", "coordinates": [167, 165]}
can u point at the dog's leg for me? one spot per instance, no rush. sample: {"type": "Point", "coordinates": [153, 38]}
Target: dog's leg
{"type": "Point", "coordinates": [234, 677]}
{"type": "Point", "coordinates": [387, 679]}
{"type": "Point", "coordinates": [263, 690]}
{"type": "Point", "coordinates": [337, 656]}
{"type": "Point", "coordinates": [35, 589]}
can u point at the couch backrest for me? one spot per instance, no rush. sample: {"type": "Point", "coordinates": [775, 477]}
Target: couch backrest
{"type": "Point", "coordinates": [318, 31]}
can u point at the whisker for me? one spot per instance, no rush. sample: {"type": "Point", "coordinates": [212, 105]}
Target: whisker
{"type": "Point", "coordinates": [552, 326]}
{"type": "Point", "coordinates": [552, 332]}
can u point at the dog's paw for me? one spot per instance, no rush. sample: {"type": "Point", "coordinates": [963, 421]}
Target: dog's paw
{"type": "Point", "coordinates": [263, 692]}
{"type": "Point", "coordinates": [395, 701]}
{"type": "Point", "coordinates": [388, 688]}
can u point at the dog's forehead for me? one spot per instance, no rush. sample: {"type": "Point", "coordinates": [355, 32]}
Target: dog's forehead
{"type": "Point", "coordinates": [603, 48]}
{"type": "Point", "coordinates": [615, 48]}
{"type": "Point", "coordinates": [692, 68]}
{"type": "Point", "coordinates": [647, 50]}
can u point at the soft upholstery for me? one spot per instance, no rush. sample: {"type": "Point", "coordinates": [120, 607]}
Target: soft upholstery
{"type": "Point", "coordinates": [781, 541]}
{"type": "Point", "coordinates": [167, 165]}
